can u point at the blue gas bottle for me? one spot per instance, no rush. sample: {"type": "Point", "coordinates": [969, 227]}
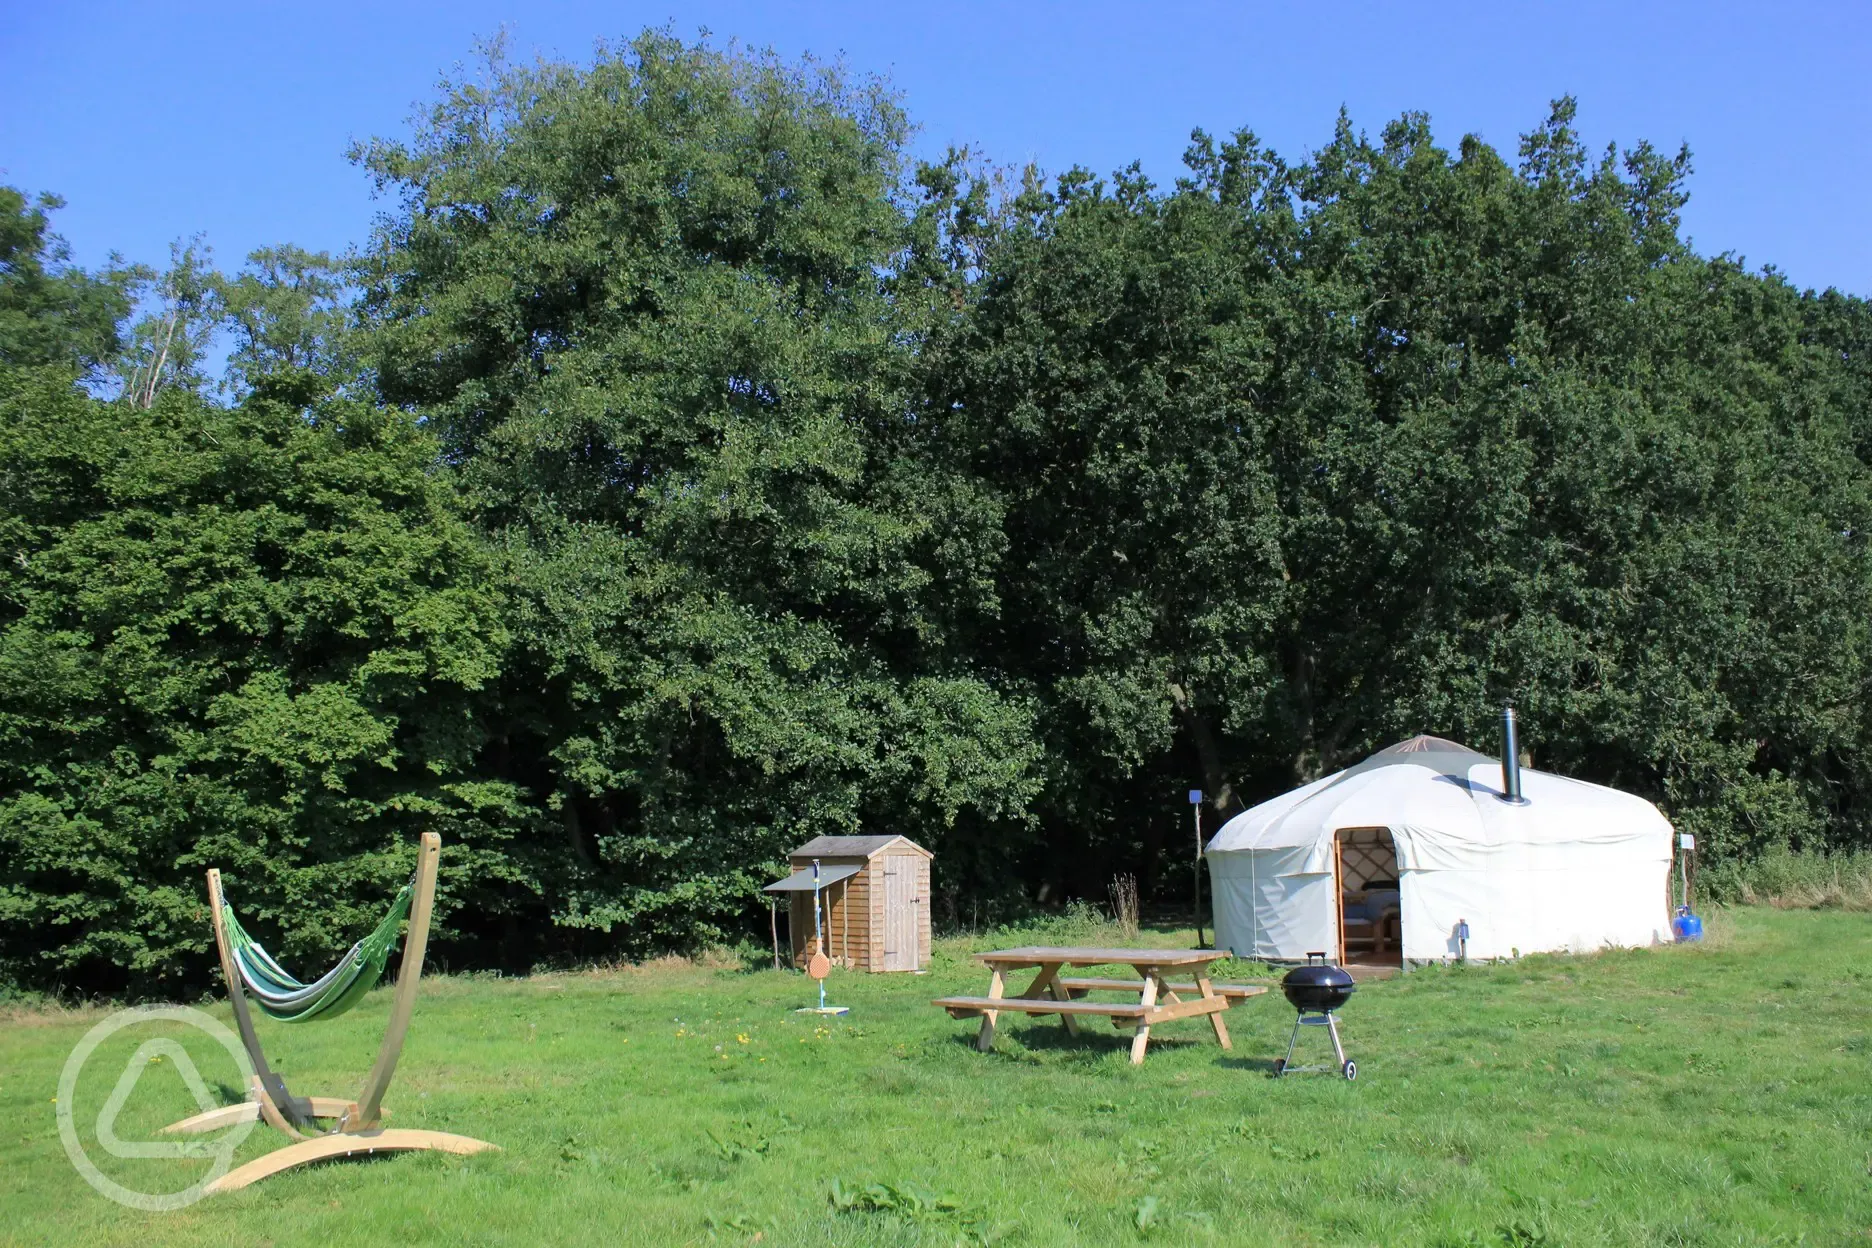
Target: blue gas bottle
{"type": "Point", "coordinates": [1686, 926]}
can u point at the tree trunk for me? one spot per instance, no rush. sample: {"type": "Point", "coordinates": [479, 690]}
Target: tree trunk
{"type": "Point", "coordinates": [1298, 662]}
{"type": "Point", "coordinates": [575, 830]}
{"type": "Point", "coordinates": [1216, 784]}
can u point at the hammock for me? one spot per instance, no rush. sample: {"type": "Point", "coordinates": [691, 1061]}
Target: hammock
{"type": "Point", "coordinates": [253, 975]}
{"type": "Point", "coordinates": [282, 997]}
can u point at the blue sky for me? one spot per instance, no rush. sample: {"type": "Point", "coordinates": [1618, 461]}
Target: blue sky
{"type": "Point", "coordinates": [232, 119]}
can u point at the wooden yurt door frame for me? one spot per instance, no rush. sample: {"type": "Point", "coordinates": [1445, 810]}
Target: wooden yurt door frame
{"type": "Point", "coordinates": [1338, 880]}
{"type": "Point", "coordinates": [1338, 862]}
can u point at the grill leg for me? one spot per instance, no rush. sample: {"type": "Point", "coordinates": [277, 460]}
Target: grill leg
{"type": "Point", "coordinates": [1291, 1041]}
{"type": "Point", "coordinates": [1332, 1025]}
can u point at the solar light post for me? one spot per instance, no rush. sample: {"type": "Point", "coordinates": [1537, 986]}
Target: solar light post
{"type": "Point", "coordinates": [1195, 801]}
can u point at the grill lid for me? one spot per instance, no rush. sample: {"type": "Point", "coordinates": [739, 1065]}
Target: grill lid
{"type": "Point", "coordinates": [1319, 985]}
{"type": "Point", "coordinates": [1318, 975]}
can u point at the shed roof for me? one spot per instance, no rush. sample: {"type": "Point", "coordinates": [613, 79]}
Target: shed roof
{"type": "Point", "coordinates": [854, 847]}
{"type": "Point", "coordinates": [802, 881]}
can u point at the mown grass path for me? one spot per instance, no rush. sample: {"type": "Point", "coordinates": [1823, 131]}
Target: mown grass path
{"type": "Point", "coordinates": [1712, 1095]}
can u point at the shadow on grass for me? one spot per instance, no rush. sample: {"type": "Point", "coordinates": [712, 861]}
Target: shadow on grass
{"type": "Point", "coordinates": [1253, 1065]}
{"type": "Point", "coordinates": [1083, 1050]}
{"type": "Point", "coordinates": [752, 961]}
{"type": "Point", "coordinates": [1087, 1048]}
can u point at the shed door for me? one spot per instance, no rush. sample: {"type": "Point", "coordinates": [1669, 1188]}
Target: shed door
{"type": "Point", "coordinates": [900, 914]}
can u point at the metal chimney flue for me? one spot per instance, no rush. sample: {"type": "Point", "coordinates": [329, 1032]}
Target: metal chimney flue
{"type": "Point", "coordinates": [1510, 760]}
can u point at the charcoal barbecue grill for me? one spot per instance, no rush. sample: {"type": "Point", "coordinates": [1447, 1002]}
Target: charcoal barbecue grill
{"type": "Point", "coordinates": [1316, 990]}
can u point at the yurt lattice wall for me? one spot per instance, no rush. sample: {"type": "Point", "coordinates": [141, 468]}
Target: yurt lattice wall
{"type": "Point", "coordinates": [1366, 854]}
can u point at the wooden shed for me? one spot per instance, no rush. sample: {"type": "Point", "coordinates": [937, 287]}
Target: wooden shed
{"type": "Point", "coordinates": [876, 896]}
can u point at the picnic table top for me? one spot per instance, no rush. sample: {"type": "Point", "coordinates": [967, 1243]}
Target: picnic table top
{"type": "Point", "coordinates": [1075, 955]}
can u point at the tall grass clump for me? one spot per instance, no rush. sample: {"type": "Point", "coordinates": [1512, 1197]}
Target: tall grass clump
{"type": "Point", "coordinates": [1081, 923]}
{"type": "Point", "coordinates": [1793, 881]}
{"type": "Point", "coordinates": [1124, 904]}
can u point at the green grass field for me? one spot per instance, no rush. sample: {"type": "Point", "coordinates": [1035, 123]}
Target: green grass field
{"type": "Point", "coordinates": [1719, 1094]}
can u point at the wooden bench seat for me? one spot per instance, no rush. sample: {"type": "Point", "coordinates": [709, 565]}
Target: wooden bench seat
{"type": "Point", "coordinates": [964, 1007]}
{"type": "Point", "coordinates": [1234, 992]}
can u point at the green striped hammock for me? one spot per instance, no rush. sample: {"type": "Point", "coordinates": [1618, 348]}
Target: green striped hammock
{"type": "Point", "coordinates": [280, 996]}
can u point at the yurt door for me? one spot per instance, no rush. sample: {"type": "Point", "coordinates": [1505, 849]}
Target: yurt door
{"type": "Point", "coordinates": [1365, 876]}
{"type": "Point", "coordinates": [900, 914]}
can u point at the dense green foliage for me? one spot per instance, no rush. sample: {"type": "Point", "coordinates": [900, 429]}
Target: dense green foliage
{"type": "Point", "coordinates": [1296, 462]}
{"type": "Point", "coordinates": [680, 472]}
{"type": "Point", "coordinates": [642, 306]}
{"type": "Point", "coordinates": [249, 637]}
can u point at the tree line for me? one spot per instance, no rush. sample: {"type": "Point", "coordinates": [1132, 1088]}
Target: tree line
{"type": "Point", "coordinates": [681, 470]}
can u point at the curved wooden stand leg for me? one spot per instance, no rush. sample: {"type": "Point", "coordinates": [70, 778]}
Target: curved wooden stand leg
{"type": "Point", "coordinates": [327, 1147]}
{"type": "Point", "coordinates": [214, 1119]}
{"type": "Point", "coordinates": [332, 1107]}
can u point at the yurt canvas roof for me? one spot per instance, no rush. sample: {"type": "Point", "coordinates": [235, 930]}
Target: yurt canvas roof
{"type": "Point", "coordinates": [1445, 793]}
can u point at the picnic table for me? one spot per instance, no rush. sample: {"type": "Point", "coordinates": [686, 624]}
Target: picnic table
{"type": "Point", "coordinates": [1153, 997]}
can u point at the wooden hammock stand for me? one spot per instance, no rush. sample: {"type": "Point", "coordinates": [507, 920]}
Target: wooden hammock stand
{"type": "Point", "coordinates": [358, 1125]}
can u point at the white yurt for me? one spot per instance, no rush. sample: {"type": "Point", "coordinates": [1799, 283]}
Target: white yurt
{"type": "Point", "coordinates": [1418, 854]}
